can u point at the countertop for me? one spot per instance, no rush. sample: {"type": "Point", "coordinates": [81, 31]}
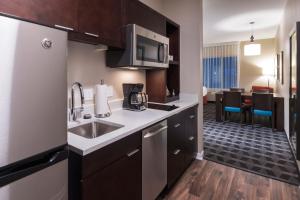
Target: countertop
{"type": "Point", "coordinates": [132, 122]}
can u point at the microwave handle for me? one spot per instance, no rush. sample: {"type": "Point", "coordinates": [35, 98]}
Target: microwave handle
{"type": "Point", "coordinates": [160, 46]}
{"type": "Point", "coordinates": [166, 53]}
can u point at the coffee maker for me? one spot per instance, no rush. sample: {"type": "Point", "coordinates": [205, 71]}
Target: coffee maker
{"type": "Point", "coordinates": [134, 98]}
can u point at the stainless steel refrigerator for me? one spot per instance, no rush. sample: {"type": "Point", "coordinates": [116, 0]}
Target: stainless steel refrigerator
{"type": "Point", "coordinates": [33, 126]}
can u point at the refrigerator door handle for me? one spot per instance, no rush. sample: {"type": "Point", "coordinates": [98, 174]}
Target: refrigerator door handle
{"type": "Point", "coordinates": [18, 172]}
{"type": "Point", "coordinates": [54, 157]}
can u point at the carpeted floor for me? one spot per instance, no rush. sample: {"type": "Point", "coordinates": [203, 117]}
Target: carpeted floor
{"type": "Point", "coordinates": [257, 150]}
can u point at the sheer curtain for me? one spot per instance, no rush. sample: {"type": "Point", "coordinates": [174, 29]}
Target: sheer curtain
{"type": "Point", "coordinates": [221, 66]}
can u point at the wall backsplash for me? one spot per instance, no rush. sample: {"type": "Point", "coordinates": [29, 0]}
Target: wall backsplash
{"type": "Point", "coordinates": [87, 66]}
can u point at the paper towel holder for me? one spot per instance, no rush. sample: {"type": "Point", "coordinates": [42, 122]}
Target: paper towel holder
{"type": "Point", "coordinates": [107, 112]}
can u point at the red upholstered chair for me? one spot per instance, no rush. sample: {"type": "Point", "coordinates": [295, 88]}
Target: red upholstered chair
{"type": "Point", "coordinates": [258, 89]}
{"type": "Point", "coordinates": [248, 101]}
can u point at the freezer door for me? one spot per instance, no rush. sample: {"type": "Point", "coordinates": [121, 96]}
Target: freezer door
{"type": "Point", "coordinates": [33, 89]}
{"type": "Point", "coordinates": [48, 184]}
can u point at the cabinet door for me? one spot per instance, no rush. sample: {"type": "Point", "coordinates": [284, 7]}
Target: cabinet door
{"type": "Point", "coordinates": [191, 135]}
{"type": "Point", "coordinates": [50, 12]}
{"type": "Point", "coordinates": [140, 14]}
{"type": "Point", "coordinates": [176, 157]}
{"type": "Point", "coordinates": [101, 19]}
{"type": "Point", "coordinates": [121, 180]}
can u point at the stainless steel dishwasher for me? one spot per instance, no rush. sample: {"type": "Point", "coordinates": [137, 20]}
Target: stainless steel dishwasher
{"type": "Point", "coordinates": [154, 148]}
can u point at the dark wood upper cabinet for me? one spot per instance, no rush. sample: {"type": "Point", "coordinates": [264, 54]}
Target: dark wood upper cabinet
{"type": "Point", "coordinates": [101, 19]}
{"type": "Point", "coordinates": [89, 21]}
{"type": "Point", "coordinates": [138, 13]}
{"type": "Point", "coordinates": [50, 12]}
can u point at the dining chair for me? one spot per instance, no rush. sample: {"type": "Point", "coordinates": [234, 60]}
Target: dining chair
{"type": "Point", "coordinates": [262, 89]}
{"type": "Point", "coordinates": [242, 90]}
{"type": "Point", "coordinates": [262, 105]}
{"type": "Point", "coordinates": [232, 103]}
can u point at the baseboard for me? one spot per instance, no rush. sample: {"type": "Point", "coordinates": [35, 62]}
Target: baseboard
{"type": "Point", "coordinates": [200, 155]}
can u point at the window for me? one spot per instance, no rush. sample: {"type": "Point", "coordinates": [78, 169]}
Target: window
{"type": "Point", "coordinates": [220, 66]}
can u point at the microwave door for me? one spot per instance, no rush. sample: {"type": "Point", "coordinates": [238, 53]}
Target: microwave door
{"type": "Point", "coordinates": [147, 49]}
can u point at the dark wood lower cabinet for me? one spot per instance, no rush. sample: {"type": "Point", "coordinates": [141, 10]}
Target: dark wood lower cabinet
{"type": "Point", "coordinates": [176, 158]}
{"type": "Point", "coordinates": [182, 142]}
{"type": "Point", "coordinates": [120, 180]}
{"type": "Point", "coordinates": [191, 136]}
{"type": "Point", "coordinates": [113, 172]}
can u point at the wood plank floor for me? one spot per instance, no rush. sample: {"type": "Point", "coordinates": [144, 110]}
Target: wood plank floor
{"type": "Point", "coordinates": [206, 180]}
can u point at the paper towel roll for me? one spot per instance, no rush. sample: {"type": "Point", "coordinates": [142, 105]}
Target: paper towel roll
{"type": "Point", "coordinates": [101, 107]}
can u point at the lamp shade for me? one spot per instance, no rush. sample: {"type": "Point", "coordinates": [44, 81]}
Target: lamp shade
{"type": "Point", "coordinates": [252, 49]}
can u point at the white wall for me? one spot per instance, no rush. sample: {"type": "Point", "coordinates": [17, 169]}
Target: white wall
{"type": "Point", "coordinates": [87, 66]}
{"type": "Point", "coordinates": [290, 17]}
{"type": "Point", "coordinates": [253, 69]}
{"type": "Point", "coordinates": [188, 14]}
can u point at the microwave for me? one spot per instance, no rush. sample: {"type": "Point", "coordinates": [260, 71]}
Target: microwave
{"type": "Point", "coordinates": [144, 49]}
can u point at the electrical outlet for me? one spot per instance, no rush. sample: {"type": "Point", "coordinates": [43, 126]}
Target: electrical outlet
{"type": "Point", "coordinates": [88, 94]}
{"type": "Point", "coordinates": [110, 91]}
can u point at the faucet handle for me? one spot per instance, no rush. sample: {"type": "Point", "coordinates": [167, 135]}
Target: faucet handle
{"type": "Point", "coordinates": [77, 113]}
{"type": "Point", "coordinates": [81, 109]}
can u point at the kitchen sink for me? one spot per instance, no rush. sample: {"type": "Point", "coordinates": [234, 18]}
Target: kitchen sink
{"type": "Point", "coordinates": [95, 129]}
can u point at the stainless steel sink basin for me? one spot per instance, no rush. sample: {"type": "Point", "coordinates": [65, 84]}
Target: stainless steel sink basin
{"type": "Point", "coordinates": [95, 129]}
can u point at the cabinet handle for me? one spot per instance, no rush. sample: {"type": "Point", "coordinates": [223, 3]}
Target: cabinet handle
{"type": "Point", "coordinates": [177, 125]}
{"type": "Point", "coordinates": [192, 116]}
{"type": "Point", "coordinates": [92, 34]}
{"type": "Point", "coordinates": [133, 152]}
{"type": "Point", "coordinates": [191, 138]}
{"type": "Point", "coordinates": [64, 27]}
{"type": "Point", "coordinates": [176, 152]}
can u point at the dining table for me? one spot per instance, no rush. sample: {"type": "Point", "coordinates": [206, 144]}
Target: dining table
{"type": "Point", "coordinates": [278, 108]}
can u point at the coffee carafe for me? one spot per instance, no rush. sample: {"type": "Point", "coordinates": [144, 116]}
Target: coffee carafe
{"type": "Point", "coordinates": [134, 97]}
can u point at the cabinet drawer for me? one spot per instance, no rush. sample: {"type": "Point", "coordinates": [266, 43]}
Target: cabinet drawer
{"type": "Point", "coordinates": [120, 180]}
{"type": "Point", "coordinates": [110, 153]}
{"type": "Point", "coordinates": [191, 113]}
{"type": "Point", "coordinates": [176, 160]}
{"type": "Point", "coordinates": [175, 132]}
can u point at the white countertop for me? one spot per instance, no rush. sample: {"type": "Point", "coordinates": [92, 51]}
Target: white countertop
{"type": "Point", "coordinates": [132, 122]}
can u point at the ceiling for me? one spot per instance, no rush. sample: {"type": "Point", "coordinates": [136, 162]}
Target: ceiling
{"type": "Point", "coordinates": [228, 20]}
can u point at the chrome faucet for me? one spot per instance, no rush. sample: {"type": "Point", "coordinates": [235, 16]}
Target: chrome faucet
{"type": "Point", "coordinates": [75, 113]}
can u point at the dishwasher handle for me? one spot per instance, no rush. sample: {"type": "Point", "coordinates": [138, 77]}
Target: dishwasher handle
{"type": "Point", "coordinates": [151, 134]}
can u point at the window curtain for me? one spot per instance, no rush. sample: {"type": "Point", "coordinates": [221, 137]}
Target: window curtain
{"type": "Point", "coordinates": [220, 66]}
